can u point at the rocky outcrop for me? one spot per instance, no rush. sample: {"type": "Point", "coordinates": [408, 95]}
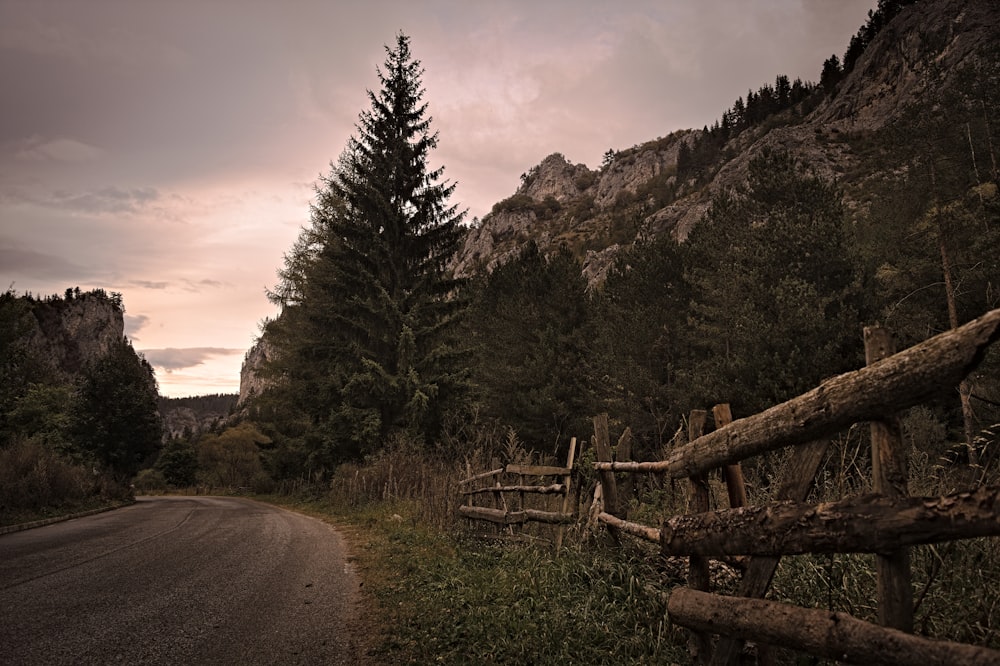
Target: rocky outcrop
{"type": "Point", "coordinates": [252, 381]}
{"type": "Point", "coordinates": [190, 417]}
{"type": "Point", "coordinates": [636, 193]}
{"type": "Point", "coordinates": [73, 331]}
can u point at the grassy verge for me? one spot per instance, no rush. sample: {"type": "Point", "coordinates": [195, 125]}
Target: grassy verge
{"type": "Point", "coordinates": [455, 599]}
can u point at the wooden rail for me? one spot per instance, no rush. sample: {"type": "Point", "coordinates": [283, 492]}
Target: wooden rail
{"type": "Point", "coordinates": [886, 522]}
{"type": "Point", "coordinates": [502, 513]}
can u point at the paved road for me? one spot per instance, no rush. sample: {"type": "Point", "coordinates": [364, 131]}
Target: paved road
{"type": "Point", "coordinates": [178, 580]}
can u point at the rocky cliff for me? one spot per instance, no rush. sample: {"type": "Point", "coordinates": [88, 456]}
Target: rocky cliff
{"type": "Point", "coordinates": [251, 381]}
{"type": "Point", "coordinates": [70, 332]}
{"type": "Point", "coordinates": [636, 191]}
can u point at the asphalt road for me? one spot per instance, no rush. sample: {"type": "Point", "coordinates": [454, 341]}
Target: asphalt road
{"type": "Point", "coordinates": [178, 580]}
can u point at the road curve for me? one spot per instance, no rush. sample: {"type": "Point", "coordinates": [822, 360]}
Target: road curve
{"type": "Point", "coordinates": [178, 580]}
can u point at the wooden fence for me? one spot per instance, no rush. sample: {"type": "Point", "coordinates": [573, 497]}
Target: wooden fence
{"type": "Point", "coordinates": [885, 522]}
{"type": "Point", "coordinates": [507, 489]}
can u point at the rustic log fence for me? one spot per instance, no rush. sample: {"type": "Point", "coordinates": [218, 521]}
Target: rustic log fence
{"type": "Point", "coordinates": [508, 488]}
{"type": "Point", "coordinates": [885, 522]}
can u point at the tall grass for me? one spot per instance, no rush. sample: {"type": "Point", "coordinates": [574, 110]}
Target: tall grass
{"type": "Point", "coordinates": [450, 590]}
{"type": "Point", "coordinates": [37, 482]}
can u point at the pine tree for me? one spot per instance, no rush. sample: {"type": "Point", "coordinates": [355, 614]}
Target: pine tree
{"type": "Point", "coordinates": [365, 341]}
{"type": "Point", "coordinates": [641, 309]}
{"type": "Point", "coordinates": [531, 329]}
{"type": "Point", "coordinates": [773, 294]}
{"type": "Point", "coordinates": [117, 422]}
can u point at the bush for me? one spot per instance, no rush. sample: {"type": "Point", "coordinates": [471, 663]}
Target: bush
{"type": "Point", "coordinates": [149, 481]}
{"type": "Point", "coordinates": [33, 477]}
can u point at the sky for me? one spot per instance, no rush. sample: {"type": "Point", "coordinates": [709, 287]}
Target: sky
{"type": "Point", "coordinates": [169, 151]}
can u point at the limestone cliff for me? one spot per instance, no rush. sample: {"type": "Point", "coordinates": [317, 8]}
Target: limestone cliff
{"type": "Point", "coordinates": [251, 381]}
{"type": "Point", "coordinates": [635, 192]}
{"type": "Point", "coordinates": [73, 331]}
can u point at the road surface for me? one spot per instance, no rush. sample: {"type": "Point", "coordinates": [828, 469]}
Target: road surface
{"type": "Point", "coordinates": [178, 580]}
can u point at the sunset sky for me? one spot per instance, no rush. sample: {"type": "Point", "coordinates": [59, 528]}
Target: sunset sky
{"type": "Point", "coordinates": [168, 150]}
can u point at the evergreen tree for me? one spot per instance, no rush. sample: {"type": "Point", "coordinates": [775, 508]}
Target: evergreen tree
{"type": "Point", "coordinates": [365, 341]}
{"type": "Point", "coordinates": [117, 422]}
{"type": "Point", "coordinates": [773, 296]}
{"type": "Point", "coordinates": [641, 311]}
{"type": "Point", "coordinates": [531, 328]}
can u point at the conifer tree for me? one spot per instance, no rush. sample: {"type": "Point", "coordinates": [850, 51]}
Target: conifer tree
{"type": "Point", "coordinates": [774, 303]}
{"type": "Point", "coordinates": [365, 341]}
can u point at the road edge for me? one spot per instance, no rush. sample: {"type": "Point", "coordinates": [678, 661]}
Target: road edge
{"type": "Point", "coordinates": [20, 527]}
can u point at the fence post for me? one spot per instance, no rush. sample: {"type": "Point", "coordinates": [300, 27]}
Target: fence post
{"type": "Point", "coordinates": [733, 474]}
{"type": "Point", "coordinates": [698, 502]}
{"type": "Point", "coordinates": [889, 478]}
{"type": "Point", "coordinates": [609, 492]}
{"type": "Point", "coordinates": [566, 498]}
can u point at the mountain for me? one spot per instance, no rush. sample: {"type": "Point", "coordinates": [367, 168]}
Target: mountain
{"type": "Point", "coordinates": [913, 64]}
{"type": "Point", "coordinates": [646, 190]}
{"type": "Point", "coordinates": [187, 417]}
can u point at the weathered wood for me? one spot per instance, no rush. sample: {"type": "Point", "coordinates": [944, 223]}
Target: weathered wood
{"type": "Point", "coordinates": [632, 466]}
{"type": "Point", "coordinates": [623, 452]}
{"type": "Point", "coordinates": [484, 475]}
{"type": "Point", "coordinates": [796, 481]}
{"type": "Point", "coordinates": [896, 383]}
{"type": "Point", "coordinates": [889, 478]}
{"type": "Point", "coordinates": [733, 474]}
{"type": "Point", "coordinates": [833, 635]}
{"type": "Point", "coordinates": [566, 480]}
{"type": "Point", "coordinates": [514, 517]}
{"type": "Point", "coordinates": [602, 445]}
{"type": "Point", "coordinates": [552, 489]}
{"type": "Point", "coordinates": [698, 568]}
{"type": "Point", "coordinates": [635, 529]}
{"type": "Point", "coordinates": [863, 524]}
{"type": "Point", "coordinates": [498, 516]}
{"type": "Point", "coordinates": [552, 517]}
{"type": "Point", "coordinates": [538, 470]}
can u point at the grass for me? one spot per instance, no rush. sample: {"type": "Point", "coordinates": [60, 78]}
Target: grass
{"type": "Point", "coordinates": [454, 598]}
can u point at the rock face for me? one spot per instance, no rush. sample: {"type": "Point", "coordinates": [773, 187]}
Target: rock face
{"type": "Point", "coordinates": [598, 213]}
{"type": "Point", "coordinates": [190, 417]}
{"type": "Point", "coordinates": [251, 381]}
{"type": "Point", "coordinates": [74, 331]}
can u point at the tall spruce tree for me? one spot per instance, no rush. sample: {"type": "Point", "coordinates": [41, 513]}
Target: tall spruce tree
{"type": "Point", "coordinates": [366, 344]}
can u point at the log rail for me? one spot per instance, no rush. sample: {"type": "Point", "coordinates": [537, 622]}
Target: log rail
{"type": "Point", "coordinates": [886, 523]}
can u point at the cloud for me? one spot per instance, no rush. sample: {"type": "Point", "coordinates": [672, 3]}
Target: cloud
{"type": "Point", "coordinates": [149, 284]}
{"type": "Point", "coordinates": [39, 265]}
{"type": "Point", "coordinates": [37, 149]}
{"type": "Point", "coordinates": [171, 359]}
{"type": "Point", "coordinates": [134, 324]}
{"type": "Point", "coordinates": [111, 199]}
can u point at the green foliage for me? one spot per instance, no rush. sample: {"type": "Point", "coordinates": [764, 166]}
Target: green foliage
{"type": "Point", "coordinates": [116, 420]}
{"type": "Point", "coordinates": [365, 343]}
{"type": "Point", "coordinates": [149, 481]}
{"type": "Point", "coordinates": [44, 413]}
{"type": "Point", "coordinates": [457, 602]}
{"type": "Point", "coordinates": [641, 311]}
{"type": "Point", "coordinates": [232, 459]}
{"type": "Point", "coordinates": [178, 463]}
{"type": "Point", "coordinates": [530, 326]}
{"type": "Point", "coordinates": [773, 291]}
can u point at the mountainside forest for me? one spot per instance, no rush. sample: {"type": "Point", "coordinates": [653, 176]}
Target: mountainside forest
{"type": "Point", "coordinates": [737, 263]}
